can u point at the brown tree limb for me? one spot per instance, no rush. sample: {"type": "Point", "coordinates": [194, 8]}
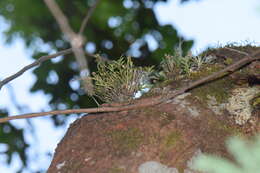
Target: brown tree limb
{"type": "Point", "coordinates": [35, 63]}
{"type": "Point", "coordinates": [76, 40]}
{"type": "Point", "coordinates": [141, 103]}
{"type": "Point", "coordinates": [87, 17]}
{"type": "Point", "coordinates": [60, 18]}
{"type": "Point", "coordinates": [64, 25]}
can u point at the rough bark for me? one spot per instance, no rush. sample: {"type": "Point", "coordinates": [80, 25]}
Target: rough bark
{"type": "Point", "coordinates": [167, 136]}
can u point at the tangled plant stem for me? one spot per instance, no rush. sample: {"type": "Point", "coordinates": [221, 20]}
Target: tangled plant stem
{"type": "Point", "coordinates": [120, 80]}
{"type": "Point", "coordinates": [178, 64]}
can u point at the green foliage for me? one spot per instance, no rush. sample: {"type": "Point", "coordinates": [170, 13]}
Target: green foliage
{"type": "Point", "coordinates": [13, 140]}
{"type": "Point", "coordinates": [120, 80]}
{"type": "Point", "coordinates": [179, 64]}
{"type": "Point", "coordinates": [246, 154]}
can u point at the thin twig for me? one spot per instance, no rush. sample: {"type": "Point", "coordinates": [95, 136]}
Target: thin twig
{"type": "Point", "coordinates": [35, 63]}
{"type": "Point", "coordinates": [86, 19]}
{"type": "Point", "coordinates": [147, 101]}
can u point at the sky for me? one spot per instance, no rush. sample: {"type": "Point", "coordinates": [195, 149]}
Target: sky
{"type": "Point", "coordinates": [207, 22]}
{"type": "Point", "coordinates": [213, 22]}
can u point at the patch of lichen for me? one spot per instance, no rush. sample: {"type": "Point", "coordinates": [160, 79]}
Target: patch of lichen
{"type": "Point", "coordinates": [125, 141]}
{"type": "Point", "coordinates": [154, 138]}
{"type": "Point", "coordinates": [71, 166]}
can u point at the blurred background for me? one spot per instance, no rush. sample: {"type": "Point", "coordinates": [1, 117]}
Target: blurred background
{"type": "Point", "coordinates": [143, 29]}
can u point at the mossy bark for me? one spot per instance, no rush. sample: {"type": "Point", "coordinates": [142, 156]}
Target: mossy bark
{"type": "Point", "coordinates": [169, 133]}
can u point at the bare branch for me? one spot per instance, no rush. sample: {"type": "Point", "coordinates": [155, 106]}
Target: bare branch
{"type": "Point", "coordinates": [76, 40]}
{"type": "Point", "coordinates": [70, 111]}
{"type": "Point", "coordinates": [141, 103]}
{"type": "Point", "coordinates": [35, 63]}
{"type": "Point", "coordinates": [86, 19]}
{"type": "Point", "coordinates": [60, 18]}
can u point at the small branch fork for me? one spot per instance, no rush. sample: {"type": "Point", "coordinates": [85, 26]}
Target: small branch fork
{"type": "Point", "coordinates": [149, 101]}
{"type": "Point", "coordinates": [76, 39]}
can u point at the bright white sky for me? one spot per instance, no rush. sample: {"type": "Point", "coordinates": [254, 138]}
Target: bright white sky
{"type": "Point", "coordinates": [208, 22]}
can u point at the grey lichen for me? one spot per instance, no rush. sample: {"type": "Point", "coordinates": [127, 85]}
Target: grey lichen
{"type": "Point", "coordinates": [60, 165]}
{"type": "Point", "coordinates": [155, 167]}
{"type": "Point", "coordinates": [184, 103]}
{"type": "Point", "coordinates": [239, 103]}
{"type": "Point", "coordinates": [213, 104]}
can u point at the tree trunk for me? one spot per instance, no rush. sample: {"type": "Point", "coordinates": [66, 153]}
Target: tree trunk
{"type": "Point", "coordinates": [168, 136]}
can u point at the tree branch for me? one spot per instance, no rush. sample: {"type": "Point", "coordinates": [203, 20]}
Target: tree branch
{"type": "Point", "coordinates": [76, 40]}
{"type": "Point", "coordinates": [141, 103]}
{"type": "Point", "coordinates": [60, 18]}
{"type": "Point", "coordinates": [35, 63]}
{"type": "Point", "coordinates": [86, 19]}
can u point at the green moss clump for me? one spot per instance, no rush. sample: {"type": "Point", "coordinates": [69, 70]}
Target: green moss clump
{"type": "Point", "coordinates": [218, 89]}
{"type": "Point", "coordinates": [125, 141]}
{"type": "Point", "coordinates": [115, 170]}
{"type": "Point", "coordinates": [205, 71]}
{"type": "Point", "coordinates": [228, 61]}
{"type": "Point", "coordinates": [171, 139]}
{"type": "Point", "coordinates": [220, 125]}
{"type": "Point", "coordinates": [255, 102]}
{"type": "Point", "coordinates": [168, 142]}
